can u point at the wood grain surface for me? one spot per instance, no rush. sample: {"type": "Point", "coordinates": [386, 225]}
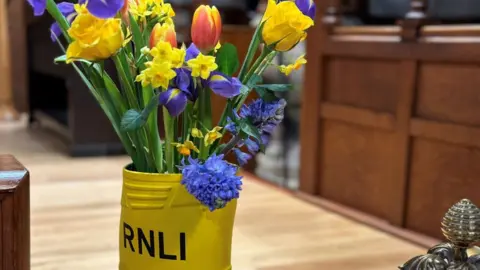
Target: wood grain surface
{"type": "Point", "coordinates": [75, 210]}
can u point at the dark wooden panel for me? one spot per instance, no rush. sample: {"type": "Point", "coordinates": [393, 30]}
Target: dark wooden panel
{"type": "Point", "coordinates": [371, 84]}
{"type": "Point", "coordinates": [356, 167]}
{"type": "Point", "coordinates": [449, 92]}
{"type": "Point", "coordinates": [452, 133]}
{"type": "Point", "coordinates": [441, 175]}
{"type": "Point", "coordinates": [354, 115]}
{"type": "Point", "coordinates": [14, 215]}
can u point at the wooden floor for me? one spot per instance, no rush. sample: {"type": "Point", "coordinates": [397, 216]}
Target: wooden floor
{"type": "Point", "coordinates": [75, 209]}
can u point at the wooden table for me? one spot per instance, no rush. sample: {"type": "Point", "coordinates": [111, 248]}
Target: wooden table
{"type": "Point", "coordinates": [75, 213]}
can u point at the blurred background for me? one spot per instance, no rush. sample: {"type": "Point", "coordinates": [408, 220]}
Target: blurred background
{"type": "Point", "coordinates": [382, 125]}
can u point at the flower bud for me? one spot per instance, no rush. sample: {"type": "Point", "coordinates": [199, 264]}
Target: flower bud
{"type": "Point", "coordinates": [165, 32]}
{"type": "Point", "coordinates": [124, 12]}
{"type": "Point", "coordinates": [206, 28]}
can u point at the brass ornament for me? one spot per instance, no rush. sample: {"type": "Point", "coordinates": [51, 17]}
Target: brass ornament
{"type": "Point", "coordinates": [461, 227]}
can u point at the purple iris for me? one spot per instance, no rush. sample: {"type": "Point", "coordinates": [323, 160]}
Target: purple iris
{"type": "Point", "coordinates": [224, 85]}
{"type": "Point", "coordinates": [104, 9]}
{"type": "Point", "coordinates": [68, 11]}
{"type": "Point", "coordinates": [175, 98]}
{"type": "Point", "coordinates": [307, 7]}
{"type": "Point", "coordinates": [38, 6]}
{"type": "Point", "coordinates": [192, 52]}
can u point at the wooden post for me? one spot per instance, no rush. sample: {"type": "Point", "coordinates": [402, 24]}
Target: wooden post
{"type": "Point", "coordinates": [7, 111]}
{"type": "Point", "coordinates": [331, 16]}
{"type": "Point", "coordinates": [310, 123]}
{"type": "Point", "coordinates": [414, 20]}
{"type": "Point", "coordinates": [14, 215]}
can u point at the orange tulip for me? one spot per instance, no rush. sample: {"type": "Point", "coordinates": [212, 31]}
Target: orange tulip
{"type": "Point", "coordinates": [165, 32]}
{"type": "Point", "coordinates": [206, 28]}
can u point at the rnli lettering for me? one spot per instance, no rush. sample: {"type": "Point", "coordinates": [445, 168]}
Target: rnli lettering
{"type": "Point", "coordinates": [146, 242]}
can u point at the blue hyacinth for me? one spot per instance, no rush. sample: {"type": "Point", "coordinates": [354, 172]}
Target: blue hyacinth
{"type": "Point", "coordinates": [242, 157]}
{"type": "Point", "coordinates": [265, 116]}
{"type": "Point", "coordinates": [214, 183]}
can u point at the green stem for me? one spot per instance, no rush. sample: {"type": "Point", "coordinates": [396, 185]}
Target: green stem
{"type": "Point", "coordinates": [263, 55]}
{"type": "Point", "coordinates": [231, 144]}
{"type": "Point", "coordinates": [252, 48]}
{"type": "Point", "coordinates": [169, 136]}
{"type": "Point", "coordinates": [240, 99]}
{"type": "Point", "coordinates": [260, 69]}
{"type": "Point", "coordinates": [126, 80]}
{"type": "Point", "coordinates": [58, 16]}
{"type": "Point", "coordinates": [186, 122]}
{"type": "Point", "coordinates": [205, 116]}
{"type": "Point", "coordinates": [156, 141]}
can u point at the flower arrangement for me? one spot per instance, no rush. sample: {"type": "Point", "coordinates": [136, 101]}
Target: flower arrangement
{"type": "Point", "coordinates": [153, 70]}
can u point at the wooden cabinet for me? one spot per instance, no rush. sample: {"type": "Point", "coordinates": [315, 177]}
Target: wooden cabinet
{"type": "Point", "coordinates": [391, 118]}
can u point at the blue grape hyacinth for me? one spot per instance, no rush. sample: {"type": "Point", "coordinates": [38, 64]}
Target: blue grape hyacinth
{"type": "Point", "coordinates": [214, 183]}
{"type": "Point", "coordinates": [265, 116]}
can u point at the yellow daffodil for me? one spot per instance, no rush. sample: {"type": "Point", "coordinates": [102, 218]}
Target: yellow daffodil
{"type": "Point", "coordinates": [162, 9]}
{"type": "Point", "coordinates": [185, 148]}
{"type": "Point", "coordinates": [178, 57]}
{"type": "Point", "coordinates": [213, 135]}
{"type": "Point", "coordinates": [202, 65]}
{"type": "Point", "coordinates": [197, 133]}
{"type": "Point", "coordinates": [295, 66]}
{"type": "Point", "coordinates": [94, 38]}
{"type": "Point", "coordinates": [140, 9]}
{"type": "Point", "coordinates": [157, 73]}
{"type": "Point", "coordinates": [284, 25]}
{"type": "Point", "coordinates": [162, 52]}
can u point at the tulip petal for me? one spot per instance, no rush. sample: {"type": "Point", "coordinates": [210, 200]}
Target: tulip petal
{"type": "Point", "coordinates": [68, 10]}
{"type": "Point", "coordinates": [104, 9]}
{"type": "Point", "coordinates": [38, 6]}
{"type": "Point", "coordinates": [174, 100]}
{"type": "Point", "coordinates": [224, 86]}
{"type": "Point", "coordinates": [206, 28]}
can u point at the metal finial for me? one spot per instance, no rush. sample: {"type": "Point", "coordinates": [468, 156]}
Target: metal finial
{"type": "Point", "coordinates": [461, 227]}
{"type": "Point", "coordinates": [461, 224]}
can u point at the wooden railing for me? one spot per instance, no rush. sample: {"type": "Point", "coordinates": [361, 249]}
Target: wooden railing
{"type": "Point", "coordinates": [14, 215]}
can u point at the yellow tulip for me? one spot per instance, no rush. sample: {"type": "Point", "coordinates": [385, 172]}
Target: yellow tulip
{"type": "Point", "coordinates": [284, 25]}
{"type": "Point", "coordinates": [94, 38]}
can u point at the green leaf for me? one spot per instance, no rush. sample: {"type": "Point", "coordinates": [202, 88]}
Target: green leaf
{"type": "Point", "coordinates": [275, 87]}
{"type": "Point", "coordinates": [248, 128]}
{"type": "Point", "coordinates": [227, 59]}
{"type": "Point", "coordinates": [133, 119]}
{"type": "Point", "coordinates": [63, 58]}
{"type": "Point", "coordinates": [254, 80]}
{"type": "Point", "coordinates": [137, 36]}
